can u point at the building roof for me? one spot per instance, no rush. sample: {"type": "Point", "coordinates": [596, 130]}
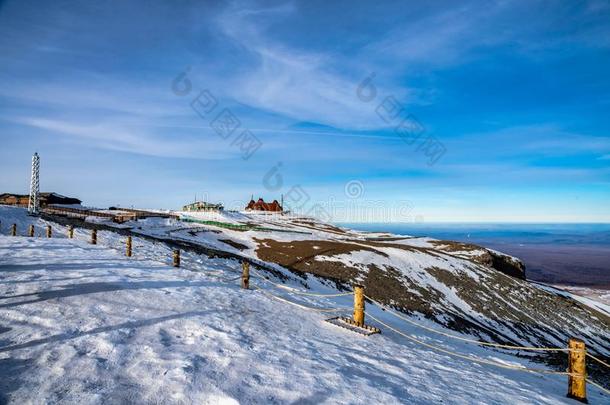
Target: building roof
{"type": "Point", "coordinates": [202, 204]}
{"type": "Point", "coordinates": [261, 205]}
{"type": "Point", "coordinates": [46, 195]}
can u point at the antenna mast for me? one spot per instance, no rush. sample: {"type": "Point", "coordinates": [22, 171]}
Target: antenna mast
{"type": "Point", "coordinates": [34, 203]}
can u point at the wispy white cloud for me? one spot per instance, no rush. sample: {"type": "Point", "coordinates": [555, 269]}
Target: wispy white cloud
{"type": "Point", "coordinates": [468, 30]}
{"type": "Point", "coordinates": [437, 38]}
{"type": "Point", "coordinates": [95, 92]}
{"type": "Point", "coordinates": [125, 139]}
{"type": "Point", "coordinates": [303, 85]}
{"type": "Point", "coordinates": [545, 139]}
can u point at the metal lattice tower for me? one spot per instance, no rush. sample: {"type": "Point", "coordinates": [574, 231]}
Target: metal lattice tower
{"type": "Point", "coordinates": [34, 204]}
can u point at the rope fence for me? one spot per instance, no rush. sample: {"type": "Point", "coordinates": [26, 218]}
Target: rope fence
{"type": "Point", "coordinates": [600, 361]}
{"type": "Point", "coordinates": [463, 339]}
{"type": "Point", "coordinates": [465, 357]}
{"type": "Point", "coordinates": [598, 386]}
{"type": "Point", "coordinates": [308, 308]}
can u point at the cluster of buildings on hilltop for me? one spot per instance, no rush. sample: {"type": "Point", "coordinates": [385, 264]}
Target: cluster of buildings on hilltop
{"type": "Point", "coordinates": [260, 205]}
{"type": "Point", "coordinates": [45, 200]}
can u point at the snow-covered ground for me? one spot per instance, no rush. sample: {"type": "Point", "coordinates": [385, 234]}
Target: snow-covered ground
{"type": "Point", "coordinates": [84, 324]}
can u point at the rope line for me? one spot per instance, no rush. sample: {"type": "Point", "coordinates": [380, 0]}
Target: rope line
{"type": "Point", "coordinates": [396, 314]}
{"type": "Point", "coordinates": [298, 305]}
{"type": "Point", "coordinates": [600, 361]}
{"type": "Point", "coordinates": [228, 280]}
{"type": "Point", "coordinates": [296, 291]}
{"type": "Point", "coordinates": [473, 359]}
{"type": "Point", "coordinates": [292, 290]}
{"type": "Point", "coordinates": [598, 386]}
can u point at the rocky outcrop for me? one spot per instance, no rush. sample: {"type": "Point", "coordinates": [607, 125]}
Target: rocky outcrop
{"type": "Point", "coordinates": [507, 264]}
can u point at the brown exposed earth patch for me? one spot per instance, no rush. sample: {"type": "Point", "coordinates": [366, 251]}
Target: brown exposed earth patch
{"type": "Point", "coordinates": [300, 256]}
{"type": "Point", "coordinates": [388, 285]}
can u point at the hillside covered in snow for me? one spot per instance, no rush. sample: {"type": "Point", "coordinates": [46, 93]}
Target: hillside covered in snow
{"type": "Point", "coordinates": [464, 287]}
{"type": "Point", "coordinates": [80, 322]}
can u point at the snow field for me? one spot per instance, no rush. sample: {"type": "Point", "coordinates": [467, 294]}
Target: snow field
{"type": "Point", "coordinates": [82, 323]}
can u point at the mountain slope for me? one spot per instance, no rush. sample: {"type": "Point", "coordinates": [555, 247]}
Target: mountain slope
{"type": "Point", "coordinates": [464, 287]}
{"type": "Point", "coordinates": [82, 323]}
{"type": "Point", "coordinates": [458, 286]}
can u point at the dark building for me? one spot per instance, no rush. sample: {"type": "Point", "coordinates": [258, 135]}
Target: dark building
{"type": "Point", "coordinates": [22, 200]}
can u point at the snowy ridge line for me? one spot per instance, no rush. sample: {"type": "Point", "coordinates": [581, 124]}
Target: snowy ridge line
{"type": "Point", "coordinates": [396, 314]}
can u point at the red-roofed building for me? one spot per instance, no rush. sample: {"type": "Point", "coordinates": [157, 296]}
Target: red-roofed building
{"type": "Point", "coordinates": [261, 205]}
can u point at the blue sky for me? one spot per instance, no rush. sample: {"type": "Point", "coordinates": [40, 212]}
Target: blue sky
{"type": "Point", "coordinates": [507, 104]}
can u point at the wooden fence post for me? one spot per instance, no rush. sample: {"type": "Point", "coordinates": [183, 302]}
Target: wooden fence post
{"type": "Point", "coordinates": [94, 236]}
{"type": "Point", "coordinates": [577, 380]}
{"type": "Point", "coordinates": [71, 232]}
{"type": "Point", "coordinates": [245, 275]}
{"type": "Point", "coordinates": [31, 231]}
{"type": "Point", "coordinates": [128, 251]}
{"type": "Point", "coordinates": [359, 305]}
{"type": "Point", "coordinates": [49, 231]}
{"type": "Point", "coordinates": [177, 258]}
{"type": "Point", "coordinates": [14, 230]}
